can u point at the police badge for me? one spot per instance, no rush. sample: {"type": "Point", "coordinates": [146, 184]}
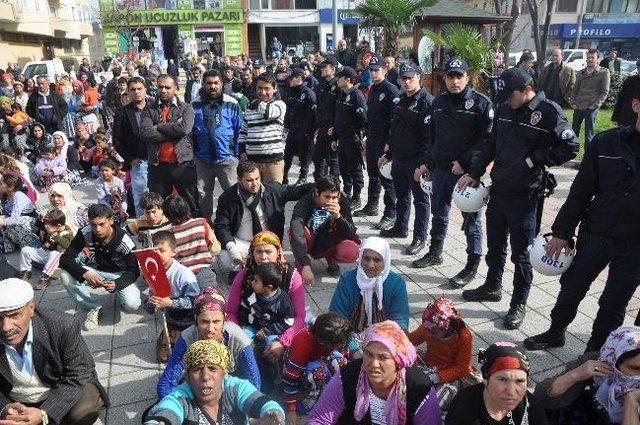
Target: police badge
{"type": "Point", "coordinates": [381, 97]}
{"type": "Point", "coordinates": [348, 98]}
{"type": "Point", "coordinates": [468, 104]}
{"type": "Point", "coordinates": [536, 116]}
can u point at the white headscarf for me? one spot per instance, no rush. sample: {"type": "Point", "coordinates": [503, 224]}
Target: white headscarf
{"type": "Point", "coordinates": [63, 151]}
{"type": "Point", "coordinates": [370, 285]}
{"type": "Point", "coordinates": [71, 206]}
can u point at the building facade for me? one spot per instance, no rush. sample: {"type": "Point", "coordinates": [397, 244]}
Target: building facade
{"type": "Point", "coordinates": [33, 30]}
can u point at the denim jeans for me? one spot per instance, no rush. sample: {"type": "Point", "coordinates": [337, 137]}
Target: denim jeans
{"type": "Point", "coordinates": [589, 117]}
{"type": "Point", "coordinates": [139, 184]}
{"type": "Point", "coordinates": [129, 297]}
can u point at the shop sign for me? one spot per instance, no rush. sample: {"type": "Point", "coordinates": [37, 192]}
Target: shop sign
{"type": "Point", "coordinates": [173, 17]}
{"type": "Point", "coordinates": [345, 16]}
{"type": "Point", "coordinates": [233, 40]}
{"type": "Point", "coordinates": [595, 30]}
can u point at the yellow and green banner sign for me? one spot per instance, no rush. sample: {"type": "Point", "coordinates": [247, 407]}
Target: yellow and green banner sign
{"type": "Point", "coordinates": [233, 39]}
{"type": "Point", "coordinates": [171, 17]}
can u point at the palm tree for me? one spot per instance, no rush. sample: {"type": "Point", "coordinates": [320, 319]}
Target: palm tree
{"type": "Point", "coordinates": [393, 16]}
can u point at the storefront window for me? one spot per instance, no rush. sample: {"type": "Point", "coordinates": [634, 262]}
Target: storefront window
{"type": "Point", "coordinates": [567, 6]}
{"type": "Point", "coordinates": [594, 6]}
{"type": "Point", "coordinates": [305, 4]}
{"type": "Point", "coordinates": [281, 4]}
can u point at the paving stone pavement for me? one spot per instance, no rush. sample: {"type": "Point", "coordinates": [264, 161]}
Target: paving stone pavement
{"type": "Point", "coordinates": [124, 345]}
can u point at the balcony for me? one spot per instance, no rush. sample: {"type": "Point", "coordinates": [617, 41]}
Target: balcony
{"type": "Point", "coordinates": [9, 11]}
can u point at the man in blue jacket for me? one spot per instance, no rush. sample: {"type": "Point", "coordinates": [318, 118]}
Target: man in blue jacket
{"type": "Point", "coordinates": [216, 129]}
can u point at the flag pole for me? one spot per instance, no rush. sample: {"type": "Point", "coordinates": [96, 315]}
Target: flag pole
{"type": "Point", "coordinates": [165, 328]}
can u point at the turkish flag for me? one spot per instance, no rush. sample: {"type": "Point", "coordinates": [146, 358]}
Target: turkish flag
{"type": "Point", "coordinates": [153, 271]}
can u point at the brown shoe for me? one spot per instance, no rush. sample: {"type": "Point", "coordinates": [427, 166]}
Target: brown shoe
{"type": "Point", "coordinates": [163, 348]}
{"type": "Point", "coordinates": [25, 275]}
{"type": "Point", "coordinates": [42, 283]}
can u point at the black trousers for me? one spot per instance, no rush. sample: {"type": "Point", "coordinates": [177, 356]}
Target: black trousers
{"type": "Point", "coordinates": [351, 162]}
{"type": "Point", "coordinates": [325, 159]}
{"type": "Point", "coordinates": [298, 144]}
{"type": "Point", "coordinates": [375, 148]}
{"type": "Point", "coordinates": [624, 276]}
{"type": "Point", "coordinates": [165, 176]}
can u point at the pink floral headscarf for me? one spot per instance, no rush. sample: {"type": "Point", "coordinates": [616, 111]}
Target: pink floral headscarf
{"type": "Point", "coordinates": [439, 314]}
{"type": "Point", "coordinates": [611, 390]}
{"type": "Point", "coordinates": [389, 334]}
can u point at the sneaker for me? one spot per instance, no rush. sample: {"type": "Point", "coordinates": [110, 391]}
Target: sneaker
{"type": "Point", "coordinates": [416, 246]}
{"type": "Point", "coordinates": [393, 233]}
{"type": "Point", "coordinates": [482, 293]}
{"type": "Point", "coordinates": [25, 275]}
{"type": "Point", "coordinates": [91, 322]}
{"type": "Point", "coordinates": [333, 270]}
{"type": "Point", "coordinates": [56, 274]}
{"type": "Point", "coordinates": [386, 223]}
{"type": "Point", "coordinates": [548, 339]}
{"type": "Point", "coordinates": [515, 316]}
{"type": "Point", "coordinates": [42, 283]}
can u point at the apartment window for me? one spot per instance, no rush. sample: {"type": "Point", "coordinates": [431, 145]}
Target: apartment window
{"type": "Point", "coordinates": [305, 4]}
{"type": "Point", "coordinates": [567, 6]}
{"type": "Point", "coordinates": [595, 6]}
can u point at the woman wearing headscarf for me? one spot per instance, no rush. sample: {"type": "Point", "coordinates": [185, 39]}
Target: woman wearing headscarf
{"type": "Point", "coordinates": [65, 150]}
{"type": "Point", "coordinates": [36, 142]}
{"type": "Point", "coordinates": [448, 349]}
{"type": "Point", "coordinates": [61, 198]}
{"type": "Point", "coordinates": [210, 396]}
{"type": "Point", "coordinates": [372, 293]}
{"type": "Point", "coordinates": [503, 397]}
{"type": "Point", "coordinates": [382, 388]}
{"type": "Point", "coordinates": [209, 309]}
{"type": "Point", "coordinates": [266, 248]}
{"type": "Point", "coordinates": [598, 387]}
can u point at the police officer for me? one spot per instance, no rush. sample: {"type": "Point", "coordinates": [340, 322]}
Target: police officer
{"type": "Point", "coordinates": [300, 121]}
{"type": "Point", "coordinates": [326, 93]}
{"type": "Point", "coordinates": [309, 80]}
{"type": "Point", "coordinates": [604, 201]}
{"type": "Point", "coordinates": [408, 142]}
{"type": "Point", "coordinates": [349, 123]}
{"type": "Point", "coordinates": [530, 133]}
{"type": "Point", "coordinates": [460, 125]}
{"type": "Point", "coordinates": [259, 67]}
{"type": "Point", "coordinates": [380, 103]}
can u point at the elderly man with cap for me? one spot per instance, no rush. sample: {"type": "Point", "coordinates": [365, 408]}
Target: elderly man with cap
{"type": "Point", "coordinates": [380, 104]}
{"type": "Point", "coordinates": [531, 133]}
{"type": "Point", "coordinates": [409, 141]}
{"type": "Point", "coordinates": [300, 121]}
{"type": "Point", "coordinates": [348, 126]}
{"type": "Point", "coordinates": [47, 374]}
{"type": "Point", "coordinates": [460, 125]}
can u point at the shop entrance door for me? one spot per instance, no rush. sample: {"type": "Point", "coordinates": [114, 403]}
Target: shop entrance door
{"type": "Point", "coordinates": [169, 37]}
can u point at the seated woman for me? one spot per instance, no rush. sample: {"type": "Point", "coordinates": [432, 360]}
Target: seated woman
{"type": "Point", "coordinates": [61, 198]}
{"type": "Point", "coordinates": [209, 309]}
{"type": "Point", "coordinates": [50, 168]}
{"type": "Point", "coordinates": [448, 354]}
{"type": "Point", "coordinates": [18, 216]}
{"type": "Point", "coordinates": [316, 353]}
{"type": "Point", "coordinates": [598, 387]}
{"type": "Point", "coordinates": [381, 388]}
{"type": "Point", "coordinates": [372, 293]}
{"type": "Point", "coordinates": [211, 396]}
{"type": "Point", "coordinates": [503, 397]}
{"type": "Point", "coordinates": [11, 165]}
{"type": "Point", "coordinates": [36, 142]}
{"type": "Point", "coordinates": [65, 150]}
{"type": "Point", "coordinates": [266, 248]}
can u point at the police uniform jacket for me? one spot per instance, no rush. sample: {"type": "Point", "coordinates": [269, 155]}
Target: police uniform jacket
{"type": "Point", "coordinates": [301, 109]}
{"type": "Point", "coordinates": [537, 130]}
{"type": "Point", "coordinates": [380, 108]}
{"type": "Point", "coordinates": [460, 126]}
{"type": "Point", "coordinates": [605, 195]}
{"type": "Point", "coordinates": [351, 114]}
{"type": "Point", "coordinates": [411, 126]}
{"type": "Point", "coordinates": [311, 82]}
{"type": "Point", "coordinates": [326, 94]}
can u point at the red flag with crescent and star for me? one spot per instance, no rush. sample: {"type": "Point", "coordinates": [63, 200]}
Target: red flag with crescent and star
{"type": "Point", "coordinates": [153, 271]}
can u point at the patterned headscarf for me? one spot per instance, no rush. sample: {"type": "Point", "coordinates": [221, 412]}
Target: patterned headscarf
{"type": "Point", "coordinates": [389, 334]}
{"type": "Point", "coordinates": [209, 352]}
{"type": "Point", "coordinates": [262, 238]}
{"type": "Point", "coordinates": [611, 390]}
{"type": "Point", "coordinates": [500, 356]}
{"type": "Point", "coordinates": [440, 315]}
{"type": "Point", "coordinates": [209, 299]}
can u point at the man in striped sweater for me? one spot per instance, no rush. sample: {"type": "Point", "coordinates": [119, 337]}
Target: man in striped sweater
{"type": "Point", "coordinates": [262, 138]}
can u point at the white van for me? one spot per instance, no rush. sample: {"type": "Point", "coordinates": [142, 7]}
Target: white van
{"type": "Point", "coordinates": [513, 58]}
{"type": "Point", "coordinates": [575, 58]}
{"type": "Point", "coordinates": [50, 68]}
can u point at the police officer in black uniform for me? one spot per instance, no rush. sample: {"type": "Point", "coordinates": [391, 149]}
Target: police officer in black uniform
{"type": "Point", "coordinates": [300, 121]}
{"type": "Point", "coordinates": [604, 203]}
{"type": "Point", "coordinates": [349, 124]}
{"type": "Point", "coordinates": [408, 143]}
{"type": "Point", "coordinates": [460, 125]}
{"type": "Point", "coordinates": [380, 103]}
{"type": "Point", "coordinates": [259, 67]}
{"type": "Point", "coordinates": [325, 159]}
{"type": "Point", "coordinates": [309, 80]}
{"type": "Point", "coordinates": [530, 133]}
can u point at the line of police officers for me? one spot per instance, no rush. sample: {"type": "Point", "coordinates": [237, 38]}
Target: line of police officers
{"type": "Point", "coordinates": [452, 139]}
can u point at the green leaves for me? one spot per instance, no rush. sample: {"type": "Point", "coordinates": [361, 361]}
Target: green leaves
{"type": "Point", "coordinates": [466, 43]}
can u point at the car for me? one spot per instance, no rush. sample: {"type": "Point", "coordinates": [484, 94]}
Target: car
{"type": "Point", "coordinates": [628, 67]}
{"type": "Point", "coordinates": [48, 68]}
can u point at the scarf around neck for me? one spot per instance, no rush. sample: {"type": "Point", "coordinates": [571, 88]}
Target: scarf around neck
{"type": "Point", "coordinates": [252, 201]}
{"type": "Point", "coordinates": [370, 285]}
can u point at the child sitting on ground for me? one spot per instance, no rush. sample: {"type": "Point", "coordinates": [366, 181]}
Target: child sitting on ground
{"type": "Point", "coordinates": [448, 353]}
{"type": "Point", "coordinates": [50, 168]}
{"type": "Point", "coordinates": [315, 354]}
{"type": "Point", "coordinates": [184, 289]}
{"type": "Point", "coordinates": [57, 238]}
{"type": "Point", "coordinates": [151, 222]}
{"type": "Point", "coordinates": [269, 311]}
{"type": "Point", "coordinates": [111, 190]}
{"type": "Point", "coordinates": [18, 120]}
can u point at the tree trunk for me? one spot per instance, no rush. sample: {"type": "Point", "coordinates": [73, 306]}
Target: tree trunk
{"type": "Point", "coordinates": [510, 26]}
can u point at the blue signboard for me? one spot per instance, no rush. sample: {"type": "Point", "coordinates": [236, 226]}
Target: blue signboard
{"type": "Point", "coordinates": [345, 16]}
{"type": "Point", "coordinates": [592, 30]}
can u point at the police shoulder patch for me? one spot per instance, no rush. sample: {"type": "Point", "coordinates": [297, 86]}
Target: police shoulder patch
{"type": "Point", "coordinates": [348, 98]}
{"type": "Point", "coordinates": [396, 99]}
{"type": "Point", "coordinates": [381, 97]}
{"type": "Point", "coordinates": [536, 116]}
{"type": "Point", "coordinates": [427, 119]}
{"type": "Point", "coordinates": [469, 104]}
{"type": "Point", "coordinates": [491, 113]}
{"type": "Point", "coordinates": [303, 96]}
{"type": "Point", "coordinates": [567, 134]}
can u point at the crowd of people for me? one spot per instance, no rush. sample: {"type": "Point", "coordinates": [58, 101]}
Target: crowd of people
{"type": "Point", "coordinates": [239, 342]}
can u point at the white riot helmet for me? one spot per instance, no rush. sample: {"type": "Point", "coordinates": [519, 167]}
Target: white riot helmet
{"type": "Point", "coordinates": [385, 170]}
{"type": "Point", "coordinates": [471, 199]}
{"type": "Point", "coordinates": [426, 184]}
{"type": "Point", "coordinates": [545, 265]}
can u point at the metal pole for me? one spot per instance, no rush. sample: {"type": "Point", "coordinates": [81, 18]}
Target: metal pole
{"type": "Point", "coordinates": [334, 23]}
{"type": "Point", "coordinates": [583, 7]}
